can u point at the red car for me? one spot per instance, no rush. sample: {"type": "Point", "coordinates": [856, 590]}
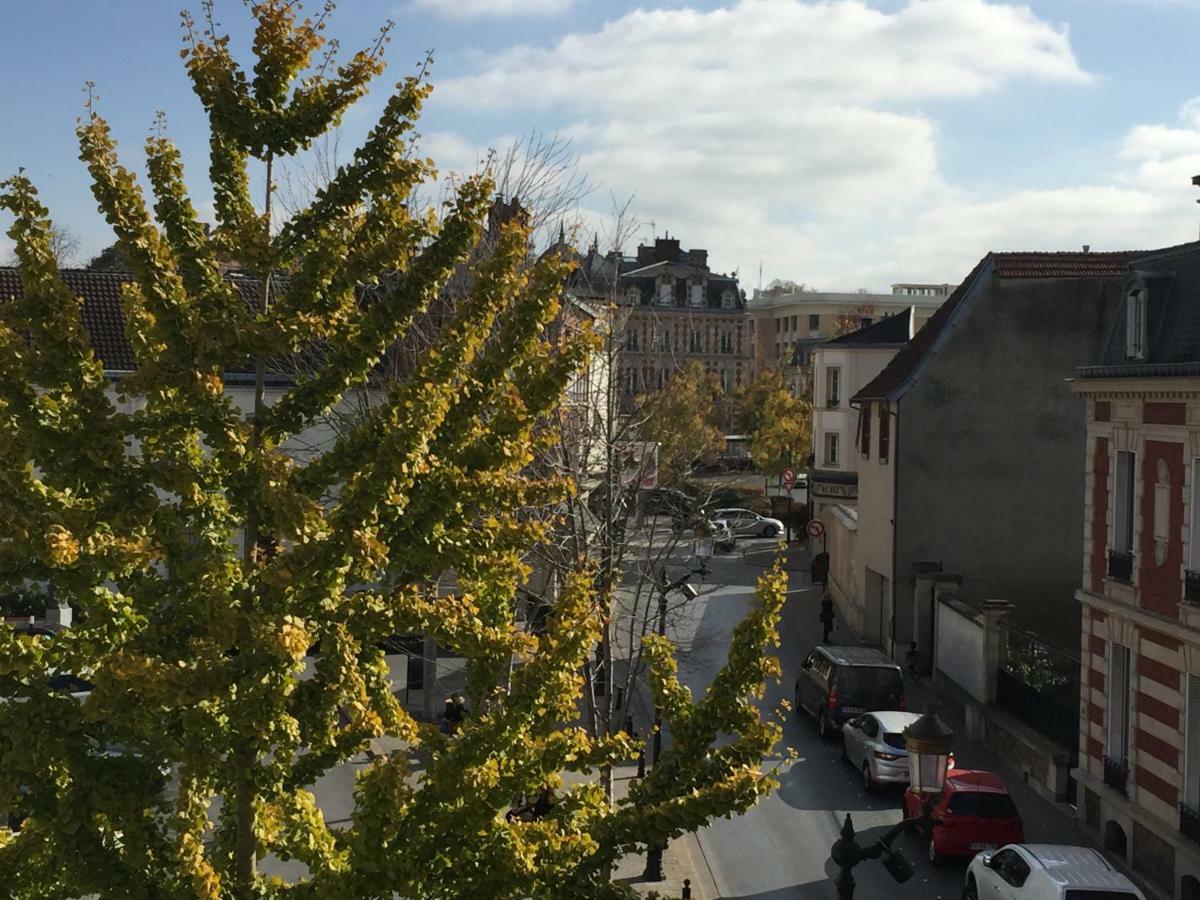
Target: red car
{"type": "Point", "coordinates": [973, 812]}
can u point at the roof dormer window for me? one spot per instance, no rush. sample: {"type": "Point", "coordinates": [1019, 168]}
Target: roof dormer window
{"type": "Point", "coordinates": [1135, 323]}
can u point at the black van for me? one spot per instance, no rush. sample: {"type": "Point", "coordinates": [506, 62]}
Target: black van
{"type": "Point", "coordinates": [837, 683]}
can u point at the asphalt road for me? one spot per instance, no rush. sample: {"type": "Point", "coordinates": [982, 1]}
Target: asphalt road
{"type": "Point", "coordinates": [780, 849]}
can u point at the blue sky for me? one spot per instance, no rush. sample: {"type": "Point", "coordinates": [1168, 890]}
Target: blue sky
{"type": "Point", "coordinates": [842, 143]}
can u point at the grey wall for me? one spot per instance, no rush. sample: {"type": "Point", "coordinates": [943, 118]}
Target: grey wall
{"type": "Point", "coordinates": [991, 452]}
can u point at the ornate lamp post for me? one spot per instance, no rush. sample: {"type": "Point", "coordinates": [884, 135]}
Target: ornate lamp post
{"type": "Point", "coordinates": [929, 741]}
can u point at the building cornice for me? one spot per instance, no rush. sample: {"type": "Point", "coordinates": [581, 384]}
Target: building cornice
{"type": "Point", "coordinates": [1158, 388]}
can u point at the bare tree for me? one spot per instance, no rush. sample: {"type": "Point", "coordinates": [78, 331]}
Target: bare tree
{"type": "Point", "coordinates": [64, 244]}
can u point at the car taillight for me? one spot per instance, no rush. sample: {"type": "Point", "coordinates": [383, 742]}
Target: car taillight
{"type": "Point", "coordinates": [888, 757]}
{"type": "Point", "coordinates": [902, 703]}
{"type": "Point", "coordinates": [832, 699]}
{"type": "Point", "coordinates": [950, 762]}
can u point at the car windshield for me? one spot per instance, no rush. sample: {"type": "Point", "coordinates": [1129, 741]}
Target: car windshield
{"type": "Point", "coordinates": [981, 805]}
{"type": "Point", "coordinates": [894, 739]}
{"type": "Point", "coordinates": [870, 680]}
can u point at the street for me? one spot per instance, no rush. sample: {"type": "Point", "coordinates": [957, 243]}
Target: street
{"type": "Point", "coordinates": [780, 849]}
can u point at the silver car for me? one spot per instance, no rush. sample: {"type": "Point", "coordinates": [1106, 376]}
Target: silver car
{"type": "Point", "coordinates": [749, 523]}
{"type": "Point", "coordinates": [874, 744]}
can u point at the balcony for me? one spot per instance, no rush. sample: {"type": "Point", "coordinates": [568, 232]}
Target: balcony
{"type": "Point", "coordinates": [1116, 774]}
{"type": "Point", "coordinates": [1189, 822]}
{"type": "Point", "coordinates": [1191, 587]}
{"type": "Point", "coordinates": [1120, 566]}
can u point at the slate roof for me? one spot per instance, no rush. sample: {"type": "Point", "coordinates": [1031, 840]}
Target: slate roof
{"type": "Point", "coordinates": [102, 314]}
{"type": "Point", "coordinates": [1074, 264]}
{"type": "Point", "coordinates": [1171, 277]}
{"type": "Point", "coordinates": [895, 329]}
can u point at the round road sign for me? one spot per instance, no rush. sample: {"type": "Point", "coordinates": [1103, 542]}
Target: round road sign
{"type": "Point", "coordinates": [789, 478]}
{"type": "Point", "coordinates": [815, 528]}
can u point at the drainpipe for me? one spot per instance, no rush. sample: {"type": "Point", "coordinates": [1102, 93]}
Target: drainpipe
{"type": "Point", "coordinates": [895, 463]}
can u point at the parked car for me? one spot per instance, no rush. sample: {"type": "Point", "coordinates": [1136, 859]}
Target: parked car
{"type": "Point", "coordinates": [1046, 872]}
{"type": "Point", "coordinates": [746, 522]}
{"type": "Point", "coordinates": [838, 683]}
{"type": "Point", "coordinates": [874, 744]}
{"type": "Point", "coordinates": [973, 812]}
{"type": "Point", "coordinates": [669, 502]}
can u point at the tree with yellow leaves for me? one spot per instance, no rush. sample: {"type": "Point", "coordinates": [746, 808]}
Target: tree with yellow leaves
{"type": "Point", "coordinates": [145, 504]}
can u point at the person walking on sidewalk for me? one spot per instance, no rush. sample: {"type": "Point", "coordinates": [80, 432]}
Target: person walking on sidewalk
{"type": "Point", "coordinates": [826, 618]}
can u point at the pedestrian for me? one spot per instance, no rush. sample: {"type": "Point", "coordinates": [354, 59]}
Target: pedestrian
{"type": "Point", "coordinates": [453, 715]}
{"type": "Point", "coordinates": [910, 659]}
{"type": "Point", "coordinates": [826, 618]}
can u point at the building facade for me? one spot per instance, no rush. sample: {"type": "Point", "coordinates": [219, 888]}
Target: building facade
{"type": "Point", "coordinates": [1139, 748]}
{"type": "Point", "coordinates": [788, 328]}
{"type": "Point", "coordinates": [969, 446]}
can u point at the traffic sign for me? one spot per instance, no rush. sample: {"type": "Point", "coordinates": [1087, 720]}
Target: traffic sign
{"type": "Point", "coordinates": [815, 528]}
{"type": "Point", "coordinates": [789, 478]}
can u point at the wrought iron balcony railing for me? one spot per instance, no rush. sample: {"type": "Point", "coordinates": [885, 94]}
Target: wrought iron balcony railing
{"type": "Point", "coordinates": [1116, 774]}
{"type": "Point", "coordinates": [1191, 587]}
{"type": "Point", "coordinates": [1120, 566]}
{"type": "Point", "coordinates": [1189, 822]}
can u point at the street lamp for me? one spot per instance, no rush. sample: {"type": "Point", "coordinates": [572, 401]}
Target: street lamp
{"type": "Point", "coordinates": [928, 742]}
{"type": "Point", "coordinates": [654, 855]}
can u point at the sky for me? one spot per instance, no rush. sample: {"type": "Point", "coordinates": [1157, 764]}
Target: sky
{"type": "Point", "coordinates": [845, 144]}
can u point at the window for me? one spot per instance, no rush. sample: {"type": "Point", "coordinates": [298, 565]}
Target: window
{"type": "Point", "coordinates": [696, 295]}
{"type": "Point", "coordinates": [792, 324]}
{"type": "Point", "coordinates": [1135, 323]}
{"type": "Point", "coordinates": [633, 296]}
{"type": "Point", "coordinates": [864, 427]}
{"type": "Point", "coordinates": [831, 449]}
{"type": "Point", "coordinates": [726, 342]}
{"type": "Point", "coordinates": [1122, 506]}
{"type": "Point", "coordinates": [631, 340]}
{"type": "Point", "coordinates": [814, 324]}
{"type": "Point", "coordinates": [665, 342]}
{"type": "Point", "coordinates": [864, 321]}
{"type": "Point", "coordinates": [631, 381]}
{"type": "Point", "coordinates": [980, 805]}
{"type": "Point", "coordinates": [884, 436]}
{"type": "Point", "coordinates": [1191, 752]}
{"type": "Point", "coordinates": [1162, 510]}
{"type": "Point", "coordinates": [1118, 705]}
{"type": "Point", "coordinates": [870, 727]}
{"type": "Point", "coordinates": [1009, 865]}
{"type": "Point", "coordinates": [694, 342]}
{"type": "Point", "coordinates": [727, 299]}
{"type": "Point", "coordinates": [833, 387]}
{"type": "Point", "coordinates": [724, 380]}
{"type": "Point", "coordinates": [664, 292]}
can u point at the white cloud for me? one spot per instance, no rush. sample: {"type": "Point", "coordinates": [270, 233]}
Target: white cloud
{"type": "Point", "coordinates": [794, 132]}
{"type": "Point", "coordinates": [470, 9]}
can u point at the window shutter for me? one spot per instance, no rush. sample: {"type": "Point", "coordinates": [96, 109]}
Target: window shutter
{"type": "Point", "coordinates": [884, 437]}
{"type": "Point", "coordinates": [1191, 792]}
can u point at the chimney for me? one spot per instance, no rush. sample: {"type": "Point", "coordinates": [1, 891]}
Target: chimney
{"type": "Point", "coordinates": [1087, 248]}
{"type": "Point", "coordinates": [645, 255]}
{"type": "Point", "coordinates": [698, 258]}
{"type": "Point", "coordinates": [666, 249]}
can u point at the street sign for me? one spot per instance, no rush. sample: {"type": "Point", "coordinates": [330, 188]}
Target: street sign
{"type": "Point", "coordinates": [815, 528]}
{"type": "Point", "coordinates": [789, 478]}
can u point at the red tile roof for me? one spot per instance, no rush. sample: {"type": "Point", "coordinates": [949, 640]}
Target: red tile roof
{"type": "Point", "coordinates": [1063, 265]}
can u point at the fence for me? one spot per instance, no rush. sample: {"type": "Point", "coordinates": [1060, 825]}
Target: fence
{"type": "Point", "coordinates": [1039, 685]}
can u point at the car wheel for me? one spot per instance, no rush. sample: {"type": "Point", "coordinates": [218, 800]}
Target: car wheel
{"type": "Point", "coordinates": [970, 889]}
{"type": "Point", "coordinates": [770, 531]}
{"type": "Point", "coordinates": [935, 858]}
{"type": "Point", "coordinates": [868, 781]}
{"type": "Point", "coordinates": [824, 730]}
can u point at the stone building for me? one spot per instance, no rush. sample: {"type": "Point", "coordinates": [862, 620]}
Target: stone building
{"type": "Point", "coordinates": [969, 444]}
{"type": "Point", "coordinates": [1139, 744]}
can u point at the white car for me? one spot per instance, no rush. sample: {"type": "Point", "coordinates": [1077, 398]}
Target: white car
{"type": "Point", "coordinates": [747, 522]}
{"type": "Point", "coordinates": [874, 744]}
{"type": "Point", "coordinates": [1046, 872]}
